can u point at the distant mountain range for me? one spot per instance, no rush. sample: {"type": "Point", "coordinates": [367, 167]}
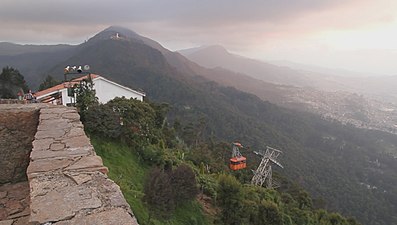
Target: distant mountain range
{"type": "Point", "coordinates": [294, 89]}
{"type": "Point", "coordinates": [333, 161]}
{"type": "Point", "coordinates": [378, 87]}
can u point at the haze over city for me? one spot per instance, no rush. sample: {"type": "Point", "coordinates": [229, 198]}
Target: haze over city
{"type": "Point", "coordinates": [353, 35]}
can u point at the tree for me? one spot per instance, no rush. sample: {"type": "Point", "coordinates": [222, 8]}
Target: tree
{"type": "Point", "coordinates": [158, 194]}
{"type": "Point", "coordinates": [48, 82]}
{"type": "Point", "coordinates": [230, 199]}
{"type": "Point", "coordinates": [11, 81]}
{"type": "Point", "coordinates": [85, 96]}
{"type": "Point", "coordinates": [103, 121]}
{"type": "Point", "coordinates": [268, 213]}
{"type": "Point", "coordinates": [138, 119]}
{"type": "Point", "coordinates": [184, 184]}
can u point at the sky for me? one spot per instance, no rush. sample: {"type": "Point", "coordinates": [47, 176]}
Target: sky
{"type": "Point", "coordinates": [356, 35]}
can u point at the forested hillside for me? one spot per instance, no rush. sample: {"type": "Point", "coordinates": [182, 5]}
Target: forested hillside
{"type": "Point", "coordinates": [346, 169]}
{"type": "Point", "coordinates": [169, 181]}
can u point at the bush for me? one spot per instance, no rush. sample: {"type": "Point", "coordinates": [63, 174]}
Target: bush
{"type": "Point", "coordinates": [103, 121]}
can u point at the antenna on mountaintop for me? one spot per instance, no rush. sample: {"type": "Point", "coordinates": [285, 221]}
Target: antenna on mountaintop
{"type": "Point", "coordinates": [116, 36]}
{"type": "Point", "coordinates": [264, 171]}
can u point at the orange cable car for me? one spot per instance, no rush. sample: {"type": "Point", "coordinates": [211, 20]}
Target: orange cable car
{"type": "Point", "coordinates": [237, 162]}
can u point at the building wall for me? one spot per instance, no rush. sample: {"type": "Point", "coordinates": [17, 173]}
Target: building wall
{"type": "Point", "coordinates": [106, 91]}
{"type": "Point", "coordinates": [65, 98]}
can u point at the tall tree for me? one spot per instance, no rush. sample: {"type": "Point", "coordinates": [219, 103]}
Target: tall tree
{"type": "Point", "coordinates": [85, 96]}
{"type": "Point", "coordinates": [11, 81]}
{"type": "Point", "coordinates": [48, 82]}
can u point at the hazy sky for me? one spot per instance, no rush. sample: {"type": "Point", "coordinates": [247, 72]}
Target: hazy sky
{"type": "Point", "coordinates": [359, 35]}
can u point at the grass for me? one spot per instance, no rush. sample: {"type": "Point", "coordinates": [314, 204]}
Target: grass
{"type": "Point", "coordinates": [129, 173]}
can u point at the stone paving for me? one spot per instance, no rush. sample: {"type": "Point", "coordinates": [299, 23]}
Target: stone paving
{"type": "Point", "coordinates": [68, 182]}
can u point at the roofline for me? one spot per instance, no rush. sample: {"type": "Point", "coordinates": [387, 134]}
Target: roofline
{"type": "Point", "coordinates": [119, 85]}
{"type": "Point", "coordinates": [49, 93]}
{"type": "Point", "coordinates": [78, 79]}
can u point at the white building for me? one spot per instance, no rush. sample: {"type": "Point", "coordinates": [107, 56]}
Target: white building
{"type": "Point", "coordinates": [104, 88]}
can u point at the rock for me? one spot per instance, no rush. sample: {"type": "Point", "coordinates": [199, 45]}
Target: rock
{"type": "Point", "coordinates": [88, 162]}
{"type": "Point", "coordinates": [21, 221]}
{"type": "Point", "coordinates": [46, 165]}
{"type": "Point", "coordinates": [48, 133]}
{"type": "Point", "coordinates": [42, 144]}
{"type": "Point", "coordinates": [75, 132]}
{"type": "Point", "coordinates": [54, 124]}
{"type": "Point", "coordinates": [77, 142]}
{"type": "Point", "coordinates": [79, 178]}
{"type": "Point", "coordinates": [57, 146]}
{"type": "Point", "coordinates": [6, 222]}
{"type": "Point", "coordinates": [3, 194]}
{"type": "Point", "coordinates": [62, 204]}
{"type": "Point", "coordinates": [13, 206]}
{"type": "Point", "coordinates": [3, 214]}
{"type": "Point", "coordinates": [71, 116]}
{"type": "Point", "coordinates": [25, 212]}
{"type": "Point", "coordinates": [111, 217]}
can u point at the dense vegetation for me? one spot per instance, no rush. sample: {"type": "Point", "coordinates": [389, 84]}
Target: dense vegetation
{"type": "Point", "coordinates": [160, 173]}
{"type": "Point", "coordinates": [12, 83]}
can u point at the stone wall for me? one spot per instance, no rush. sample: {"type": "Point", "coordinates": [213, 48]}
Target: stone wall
{"type": "Point", "coordinates": [67, 180]}
{"type": "Point", "coordinates": [17, 130]}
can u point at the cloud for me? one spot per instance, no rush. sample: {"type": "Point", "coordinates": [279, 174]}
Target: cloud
{"type": "Point", "coordinates": [68, 18]}
{"type": "Point", "coordinates": [254, 27]}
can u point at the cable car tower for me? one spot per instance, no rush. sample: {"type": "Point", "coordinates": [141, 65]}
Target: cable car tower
{"type": "Point", "coordinates": [264, 171]}
{"type": "Point", "coordinates": [237, 162]}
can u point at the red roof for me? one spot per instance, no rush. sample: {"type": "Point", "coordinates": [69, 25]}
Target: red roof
{"type": "Point", "coordinates": [63, 85]}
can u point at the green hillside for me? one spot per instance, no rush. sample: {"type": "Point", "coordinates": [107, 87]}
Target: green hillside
{"type": "Point", "coordinates": [351, 169]}
{"type": "Point", "coordinates": [130, 173]}
{"type": "Point", "coordinates": [130, 157]}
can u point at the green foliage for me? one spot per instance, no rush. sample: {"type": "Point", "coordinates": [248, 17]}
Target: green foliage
{"type": "Point", "coordinates": [152, 154]}
{"type": "Point", "coordinates": [48, 82]}
{"type": "Point", "coordinates": [230, 198]}
{"type": "Point", "coordinates": [126, 170]}
{"type": "Point", "coordinates": [130, 173]}
{"type": "Point", "coordinates": [137, 123]}
{"type": "Point", "coordinates": [184, 184]}
{"type": "Point", "coordinates": [208, 185]}
{"type": "Point", "coordinates": [102, 121]}
{"type": "Point", "coordinates": [165, 195]}
{"type": "Point", "coordinates": [11, 82]}
{"type": "Point", "coordinates": [159, 194]}
{"type": "Point", "coordinates": [268, 213]}
{"type": "Point", "coordinates": [85, 96]}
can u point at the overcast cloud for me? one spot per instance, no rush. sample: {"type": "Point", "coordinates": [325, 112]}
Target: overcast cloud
{"type": "Point", "coordinates": [257, 28]}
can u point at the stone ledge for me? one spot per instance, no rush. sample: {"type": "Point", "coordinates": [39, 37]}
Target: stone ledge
{"type": "Point", "coordinates": [67, 179]}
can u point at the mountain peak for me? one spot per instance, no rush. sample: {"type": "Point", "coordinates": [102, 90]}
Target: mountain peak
{"type": "Point", "coordinates": [122, 31]}
{"type": "Point", "coordinates": [116, 32]}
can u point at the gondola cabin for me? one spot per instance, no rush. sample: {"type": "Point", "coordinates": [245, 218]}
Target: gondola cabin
{"type": "Point", "coordinates": [238, 163]}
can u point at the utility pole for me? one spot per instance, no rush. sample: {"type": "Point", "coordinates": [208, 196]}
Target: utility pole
{"type": "Point", "coordinates": [263, 174]}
